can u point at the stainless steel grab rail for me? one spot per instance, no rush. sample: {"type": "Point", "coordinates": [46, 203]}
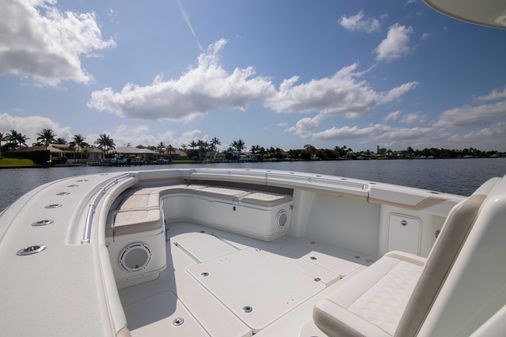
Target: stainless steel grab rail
{"type": "Point", "coordinates": [93, 205]}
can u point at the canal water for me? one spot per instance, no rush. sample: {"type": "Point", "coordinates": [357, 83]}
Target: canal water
{"type": "Point", "coordinates": [458, 176]}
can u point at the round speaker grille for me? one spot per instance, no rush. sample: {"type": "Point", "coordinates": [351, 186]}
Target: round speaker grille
{"type": "Point", "coordinates": [135, 257]}
{"type": "Point", "coordinates": [282, 218]}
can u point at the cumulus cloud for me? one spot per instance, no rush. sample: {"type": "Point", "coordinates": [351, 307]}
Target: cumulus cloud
{"type": "Point", "coordinates": [494, 95]}
{"type": "Point", "coordinates": [343, 93]}
{"type": "Point", "coordinates": [395, 45]}
{"type": "Point", "coordinates": [489, 136]}
{"type": "Point", "coordinates": [143, 135]}
{"type": "Point", "coordinates": [359, 22]}
{"type": "Point", "coordinates": [46, 44]}
{"type": "Point", "coordinates": [203, 88]}
{"type": "Point", "coordinates": [413, 118]}
{"type": "Point", "coordinates": [471, 114]}
{"type": "Point", "coordinates": [31, 125]}
{"type": "Point", "coordinates": [208, 86]}
{"type": "Point", "coordinates": [380, 132]}
{"type": "Point", "coordinates": [393, 116]}
{"type": "Point", "coordinates": [304, 127]}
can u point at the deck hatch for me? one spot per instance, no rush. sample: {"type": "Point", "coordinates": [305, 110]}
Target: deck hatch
{"type": "Point", "coordinates": [239, 281]}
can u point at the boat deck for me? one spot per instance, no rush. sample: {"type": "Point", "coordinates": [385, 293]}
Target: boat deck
{"type": "Point", "coordinates": [222, 284]}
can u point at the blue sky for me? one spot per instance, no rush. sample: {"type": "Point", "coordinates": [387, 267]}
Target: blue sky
{"type": "Point", "coordinates": [274, 73]}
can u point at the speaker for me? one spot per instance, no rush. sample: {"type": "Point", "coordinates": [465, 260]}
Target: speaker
{"type": "Point", "coordinates": [135, 256]}
{"type": "Point", "coordinates": [281, 218]}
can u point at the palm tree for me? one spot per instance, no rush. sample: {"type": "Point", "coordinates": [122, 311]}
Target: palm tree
{"type": "Point", "coordinates": [238, 145]}
{"type": "Point", "coordinates": [203, 148]}
{"type": "Point", "coordinates": [17, 138]}
{"type": "Point", "coordinates": [213, 146]}
{"type": "Point", "coordinates": [170, 150]}
{"type": "Point", "coordinates": [3, 138]}
{"type": "Point", "coordinates": [193, 144]}
{"type": "Point", "coordinates": [160, 148]}
{"type": "Point", "coordinates": [78, 141]}
{"type": "Point", "coordinates": [105, 143]}
{"type": "Point", "coordinates": [46, 136]}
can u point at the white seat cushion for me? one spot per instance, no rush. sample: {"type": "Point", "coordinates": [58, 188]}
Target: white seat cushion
{"type": "Point", "coordinates": [136, 221]}
{"type": "Point", "coordinates": [372, 303]}
{"type": "Point", "coordinates": [266, 199]}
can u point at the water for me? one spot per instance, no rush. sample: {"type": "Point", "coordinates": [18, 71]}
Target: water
{"type": "Point", "coordinates": [458, 176]}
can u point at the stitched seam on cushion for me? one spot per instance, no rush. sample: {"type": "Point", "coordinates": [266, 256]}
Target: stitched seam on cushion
{"type": "Point", "coordinates": [365, 319]}
{"type": "Point", "coordinates": [384, 275]}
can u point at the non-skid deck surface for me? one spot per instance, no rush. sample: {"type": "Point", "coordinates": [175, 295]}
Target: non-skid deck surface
{"type": "Point", "coordinates": [212, 278]}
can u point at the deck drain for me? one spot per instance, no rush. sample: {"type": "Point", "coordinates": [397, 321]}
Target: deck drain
{"type": "Point", "coordinates": [43, 222]}
{"type": "Point", "coordinates": [81, 180]}
{"type": "Point", "coordinates": [30, 250]}
{"type": "Point", "coordinates": [72, 185]}
{"type": "Point", "coordinates": [357, 257]}
{"type": "Point", "coordinates": [202, 231]}
{"type": "Point", "coordinates": [247, 309]}
{"type": "Point", "coordinates": [205, 274]}
{"type": "Point", "coordinates": [63, 193]}
{"type": "Point", "coordinates": [53, 205]}
{"type": "Point", "coordinates": [178, 321]}
{"type": "Point", "coordinates": [313, 258]}
{"type": "Point", "coordinates": [312, 242]}
{"type": "Point", "coordinates": [317, 279]}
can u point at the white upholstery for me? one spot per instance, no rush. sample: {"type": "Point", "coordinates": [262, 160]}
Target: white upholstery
{"type": "Point", "coordinates": [139, 209]}
{"type": "Point", "coordinates": [373, 302]}
{"type": "Point", "coordinates": [136, 221]}
{"type": "Point", "coordinates": [397, 292]}
{"type": "Point", "coordinates": [266, 199]}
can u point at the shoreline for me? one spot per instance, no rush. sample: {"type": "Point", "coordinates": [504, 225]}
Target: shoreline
{"type": "Point", "coordinates": [186, 162]}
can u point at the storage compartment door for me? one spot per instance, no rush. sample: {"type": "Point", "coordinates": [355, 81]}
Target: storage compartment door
{"type": "Point", "coordinates": [404, 233]}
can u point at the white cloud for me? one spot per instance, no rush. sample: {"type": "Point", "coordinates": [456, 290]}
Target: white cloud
{"type": "Point", "coordinates": [46, 44]}
{"type": "Point", "coordinates": [413, 118]}
{"type": "Point", "coordinates": [143, 135]}
{"type": "Point", "coordinates": [303, 128]}
{"type": "Point", "coordinates": [208, 87]}
{"type": "Point", "coordinates": [374, 132]}
{"type": "Point", "coordinates": [31, 125]}
{"type": "Point", "coordinates": [494, 95]}
{"type": "Point", "coordinates": [393, 116]}
{"type": "Point", "coordinates": [490, 137]}
{"type": "Point", "coordinates": [201, 89]}
{"type": "Point", "coordinates": [471, 115]}
{"type": "Point", "coordinates": [359, 22]}
{"type": "Point", "coordinates": [395, 45]}
{"type": "Point", "coordinates": [343, 93]}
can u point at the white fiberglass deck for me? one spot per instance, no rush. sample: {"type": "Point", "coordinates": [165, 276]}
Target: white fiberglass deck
{"type": "Point", "coordinates": [223, 284]}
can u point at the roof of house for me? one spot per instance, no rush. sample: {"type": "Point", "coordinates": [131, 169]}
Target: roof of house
{"type": "Point", "coordinates": [133, 150]}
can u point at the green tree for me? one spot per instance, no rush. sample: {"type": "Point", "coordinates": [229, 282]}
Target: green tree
{"type": "Point", "coordinates": [16, 138]}
{"type": "Point", "coordinates": [78, 141]}
{"type": "Point", "coordinates": [161, 148]}
{"type": "Point", "coordinates": [3, 138]}
{"type": "Point", "coordinates": [238, 145]}
{"type": "Point", "coordinates": [105, 143]}
{"type": "Point", "coordinates": [170, 150]}
{"type": "Point", "coordinates": [46, 137]}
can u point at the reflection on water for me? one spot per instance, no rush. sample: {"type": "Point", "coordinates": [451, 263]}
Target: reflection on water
{"type": "Point", "coordinates": [459, 176]}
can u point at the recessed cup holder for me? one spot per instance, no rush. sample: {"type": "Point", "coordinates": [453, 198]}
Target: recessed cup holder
{"type": "Point", "coordinates": [44, 222]}
{"type": "Point", "coordinates": [30, 250]}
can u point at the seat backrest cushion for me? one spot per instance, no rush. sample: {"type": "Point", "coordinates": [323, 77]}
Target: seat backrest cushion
{"type": "Point", "coordinates": [438, 265]}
